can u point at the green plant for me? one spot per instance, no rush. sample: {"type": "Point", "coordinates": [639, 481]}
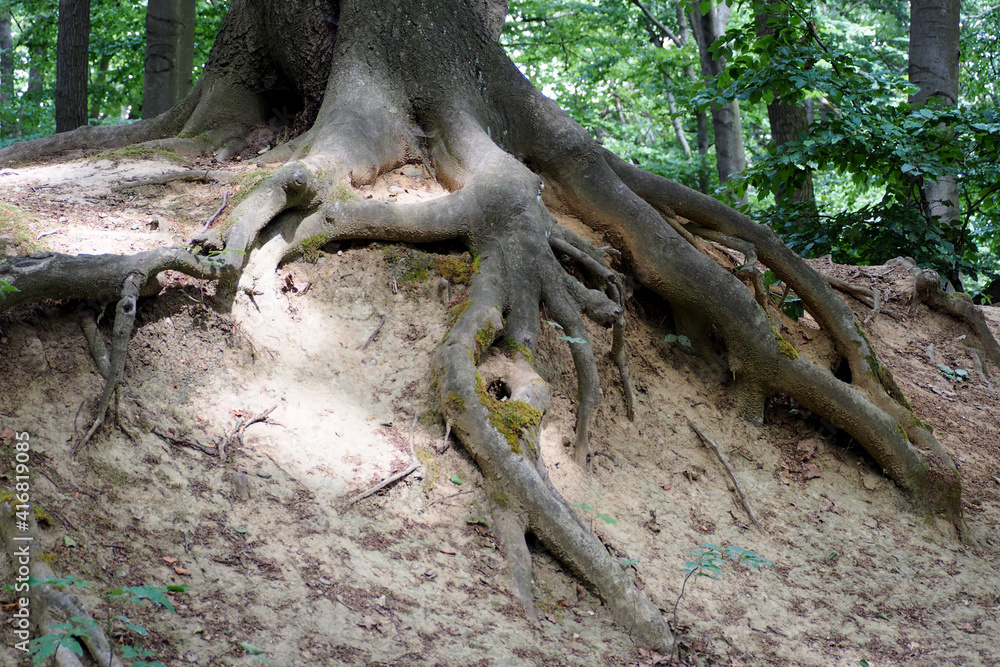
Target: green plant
{"type": "Point", "coordinates": [604, 517]}
{"type": "Point", "coordinates": [707, 561]}
{"type": "Point", "coordinates": [68, 634]}
{"type": "Point", "coordinates": [954, 374]}
{"type": "Point", "coordinates": [674, 338]}
{"type": "Point", "coordinates": [4, 288]}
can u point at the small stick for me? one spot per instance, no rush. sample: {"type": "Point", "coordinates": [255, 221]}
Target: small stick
{"type": "Point", "coordinates": [218, 212]}
{"type": "Point", "coordinates": [392, 478]}
{"type": "Point", "coordinates": [374, 333]}
{"type": "Point", "coordinates": [54, 231]}
{"type": "Point", "coordinates": [237, 435]}
{"type": "Point", "coordinates": [732, 475]}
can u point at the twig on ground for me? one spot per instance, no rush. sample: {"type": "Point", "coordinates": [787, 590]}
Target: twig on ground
{"type": "Point", "coordinates": [374, 333]}
{"type": "Point", "coordinates": [218, 212]}
{"type": "Point", "coordinates": [54, 231]}
{"type": "Point", "coordinates": [211, 450]}
{"type": "Point", "coordinates": [391, 479]}
{"type": "Point", "coordinates": [732, 474]}
{"type": "Point", "coordinates": [237, 436]}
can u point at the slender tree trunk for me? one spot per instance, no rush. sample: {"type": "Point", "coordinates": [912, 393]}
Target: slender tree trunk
{"type": "Point", "coordinates": [788, 120]}
{"type": "Point", "coordinates": [6, 57]}
{"type": "Point", "coordinates": [97, 94]}
{"type": "Point", "coordinates": [934, 58]}
{"type": "Point", "coordinates": [72, 64]}
{"type": "Point", "coordinates": [169, 54]}
{"type": "Point", "coordinates": [729, 152]}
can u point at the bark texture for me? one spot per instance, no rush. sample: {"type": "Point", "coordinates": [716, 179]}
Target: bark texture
{"type": "Point", "coordinates": [72, 64]}
{"type": "Point", "coordinates": [425, 81]}
{"type": "Point", "coordinates": [169, 54]}
{"type": "Point", "coordinates": [933, 68]}
{"type": "Point", "coordinates": [729, 151]}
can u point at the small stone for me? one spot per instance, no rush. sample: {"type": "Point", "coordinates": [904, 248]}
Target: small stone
{"type": "Point", "coordinates": [395, 189]}
{"type": "Point", "coordinates": [34, 356]}
{"type": "Point", "coordinates": [871, 483]}
{"type": "Point", "coordinates": [63, 220]}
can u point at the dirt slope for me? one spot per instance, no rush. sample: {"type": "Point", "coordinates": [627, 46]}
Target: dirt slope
{"type": "Point", "coordinates": [411, 576]}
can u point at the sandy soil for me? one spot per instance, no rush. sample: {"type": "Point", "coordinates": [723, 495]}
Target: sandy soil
{"type": "Point", "coordinates": [277, 560]}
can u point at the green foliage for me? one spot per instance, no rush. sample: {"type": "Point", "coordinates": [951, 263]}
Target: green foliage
{"type": "Point", "coordinates": [877, 148]}
{"type": "Point", "coordinates": [606, 65]}
{"type": "Point", "coordinates": [674, 338]}
{"type": "Point", "coordinates": [954, 374]}
{"type": "Point", "coordinates": [603, 517]}
{"type": "Point", "coordinates": [4, 288]}
{"type": "Point", "coordinates": [708, 559]}
{"type": "Point", "coordinates": [117, 45]}
{"type": "Point", "coordinates": [69, 634]}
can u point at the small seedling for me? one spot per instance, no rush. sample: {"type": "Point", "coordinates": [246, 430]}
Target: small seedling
{"type": "Point", "coordinates": [707, 561]}
{"type": "Point", "coordinates": [954, 375]}
{"type": "Point", "coordinates": [674, 338]}
{"type": "Point", "coordinates": [67, 634]}
{"type": "Point", "coordinates": [604, 517]}
{"type": "Point", "coordinates": [4, 288]}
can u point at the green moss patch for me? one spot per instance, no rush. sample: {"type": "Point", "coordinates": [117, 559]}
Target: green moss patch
{"type": "Point", "coordinates": [458, 269]}
{"type": "Point", "coordinates": [508, 417]}
{"type": "Point", "coordinates": [512, 348]}
{"type": "Point", "coordinates": [785, 348]}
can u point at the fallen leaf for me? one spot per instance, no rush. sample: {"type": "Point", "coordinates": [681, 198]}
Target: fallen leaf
{"type": "Point", "coordinates": [250, 648]}
{"type": "Point", "coordinates": [181, 570]}
{"type": "Point", "coordinates": [7, 434]}
{"type": "Point", "coordinates": [807, 448]}
{"type": "Point", "coordinates": [811, 471]}
{"type": "Point", "coordinates": [169, 559]}
{"type": "Point", "coordinates": [446, 550]}
{"type": "Point", "coordinates": [666, 487]}
{"type": "Point", "coordinates": [563, 603]}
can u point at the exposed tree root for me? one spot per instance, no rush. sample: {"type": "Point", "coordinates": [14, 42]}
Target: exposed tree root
{"type": "Point", "coordinates": [496, 143]}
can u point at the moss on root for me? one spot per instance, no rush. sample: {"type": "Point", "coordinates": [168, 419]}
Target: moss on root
{"type": "Point", "coordinates": [784, 347]}
{"type": "Point", "coordinates": [310, 247]}
{"type": "Point", "coordinates": [512, 348]}
{"type": "Point", "coordinates": [458, 269]}
{"type": "Point", "coordinates": [509, 417]}
{"type": "Point", "coordinates": [250, 181]}
{"type": "Point", "coordinates": [484, 338]}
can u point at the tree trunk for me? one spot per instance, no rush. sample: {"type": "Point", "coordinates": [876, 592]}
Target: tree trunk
{"type": "Point", "coordinates": [72, 64]}
{"type": "Point", "coordinates": [788, 120]}
{"type": "Point", "coordinates": [6, 57]}
{"type": "Point", "coordinates": [424, 81]}
{"type": "Point", "coordinates": [169, 54]}
{"type": "Point", "coordinates": [934, 58]}
{"type": "Point", "coordinates": [729, 152]}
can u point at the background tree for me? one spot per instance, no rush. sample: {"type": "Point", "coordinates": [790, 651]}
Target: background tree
{"type": "Point", "coordinates": [71, 64]}
{"type": "Point", "coordinates": [933, 69]}
{"type": "Point", "coordinates": [169, 54]}
{"type": "Point", "coordinates": [708, 23]}
{"type": "Point", "coordinates": [369, 85]}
